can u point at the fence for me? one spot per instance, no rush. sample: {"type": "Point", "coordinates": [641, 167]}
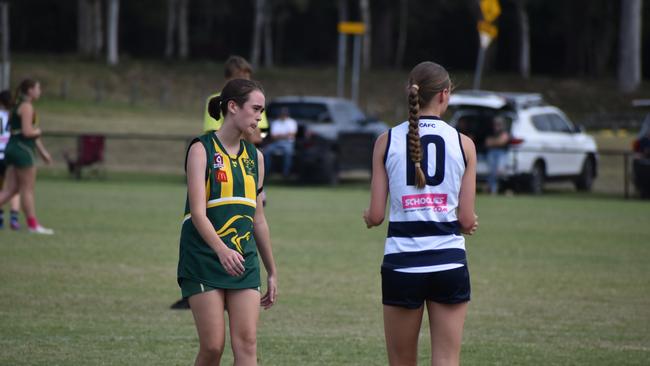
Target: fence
{"type": "Point", "coordinates": [155, 153]}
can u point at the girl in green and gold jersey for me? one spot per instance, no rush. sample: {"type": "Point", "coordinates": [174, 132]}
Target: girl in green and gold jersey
{"type": "Point", "coordinates": [20, 153]}
{"type": "Point", "coordinates": [224, 228]}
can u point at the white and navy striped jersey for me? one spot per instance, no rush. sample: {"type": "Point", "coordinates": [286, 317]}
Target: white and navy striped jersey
{"type": "Point", "coordinates": [5, 132]}
{"type": "Point", "coordinates": [423, 232]}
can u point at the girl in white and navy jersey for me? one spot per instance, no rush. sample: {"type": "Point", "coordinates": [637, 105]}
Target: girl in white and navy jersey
{"type": "Point", "coordinates": [429, 169]}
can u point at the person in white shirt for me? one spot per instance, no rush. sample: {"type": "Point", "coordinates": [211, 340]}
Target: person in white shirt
{"type": "Point", "coordinates": [283, 135]}
{"type": "Point", "coordinates": [428, 170]}
{"type": "Point", "coordinates": [5, 133]}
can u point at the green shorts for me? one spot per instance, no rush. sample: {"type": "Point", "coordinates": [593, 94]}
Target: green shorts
{"type": "Point", "coordinates": [191, 287]}
{"type": "Point", "coordinates": [19, 155]}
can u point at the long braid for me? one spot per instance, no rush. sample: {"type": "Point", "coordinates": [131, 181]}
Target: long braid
{"type": "Point", "coordinates": [415, 151]}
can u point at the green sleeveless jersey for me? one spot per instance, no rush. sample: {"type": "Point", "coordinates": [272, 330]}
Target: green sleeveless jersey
{"type": "Point", "coordinates": [231, 196]}
{"type": "Point", "coordinates": [16, 127]}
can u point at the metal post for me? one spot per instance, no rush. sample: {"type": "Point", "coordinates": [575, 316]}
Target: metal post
{"type": "Point", "coordinates": [479, 67]}
{"type": "Point", "coordinates": [356, 65]}
{"type": "Point", "coordinates": [340, 83]}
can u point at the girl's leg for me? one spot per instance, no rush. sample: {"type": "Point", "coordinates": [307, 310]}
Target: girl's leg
{"type": "Point", "coordinates": [446, 328]}
{"type": "Point", "coordinates": [10, 185]}
{"type": "Point", "coordinates": [402, 327]}
{"type": "Point", "coordinates": [26, 178]}
{"type": "Point", "coordinates": [14, 212]}
{"type": "Point", "coordinates": [208, 311]}
{"type": "Point", "coordinates": [243, 312]}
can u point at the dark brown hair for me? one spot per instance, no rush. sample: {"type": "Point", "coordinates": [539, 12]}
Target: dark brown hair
{"type": "Point", "coordinates": [425, 81]}
{"type": "Point", "coordinates": [235, 65]}
{"type": "Point", "coordinates": [23, 89]}
{"type": "Point", "coordinates": [236, 90]}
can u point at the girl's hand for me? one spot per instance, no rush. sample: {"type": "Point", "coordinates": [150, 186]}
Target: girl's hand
{"type": "Point", "coordinates": [232, 261]}
{"type": "Point", "coordinates": [474, 227]}
{"type": "Point", "coordinates": [365, 218]}
{"type": "Point", "coordinates": [47, 158]}
{"type": "Point", "coordinates": [271, 292]}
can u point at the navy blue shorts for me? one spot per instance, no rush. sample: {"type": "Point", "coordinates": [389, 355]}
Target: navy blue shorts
{"type": "Point", "coordinates": [410, 290]}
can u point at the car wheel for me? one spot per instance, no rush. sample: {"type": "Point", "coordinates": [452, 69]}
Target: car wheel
{"type": "Point", "coordinates": [585, 180]}
{"type": "Point", "coordinates": [536, 179]}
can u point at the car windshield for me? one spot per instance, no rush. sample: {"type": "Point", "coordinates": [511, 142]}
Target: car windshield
{"type": "Point", "coordinates": [300, 111]}
{"type": "Point", "coordinates": [476, 123]}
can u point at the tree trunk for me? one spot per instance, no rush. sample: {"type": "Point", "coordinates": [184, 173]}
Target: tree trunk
{"type": "Point", "coordinates": [402, 33]}
{"type": "Point", "coordinates": [112, 56]}
{"type": "Point", "coordinates": [97, 28]}
{"type": "Point", "coordinates": [524, 39]}
{"type": "Point", "coordinates": [172, 5]}
{"type": "Point", "coordinates": [5, 64]}
{"type": "Point", "coordinates": [84, 28]}
{"type": "Point", "coordinates": [183, 33]}
{"type": "Point", "coordinates": [384, 50]}
{"type": "Point", "coordinates": [629, 63]}
{"type": "Point", "coordinates": [367, 37]}
{"type": "Point", "coordinates": [258, 26]}
{"type": "Point", "coordinates": [268, 35]}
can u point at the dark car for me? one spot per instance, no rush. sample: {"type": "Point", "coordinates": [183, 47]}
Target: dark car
{"type": "Point", "coordinates": [334, 136]}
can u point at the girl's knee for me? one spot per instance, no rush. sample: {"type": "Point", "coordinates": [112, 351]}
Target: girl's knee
{"type": "Point", "coordinates": [244, 344]}
{"type": "Point", "coordinates": [212, 351]}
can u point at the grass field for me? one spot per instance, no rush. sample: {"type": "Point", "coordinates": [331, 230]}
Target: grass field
{"type": "Point", "coordinates": [559, 280]}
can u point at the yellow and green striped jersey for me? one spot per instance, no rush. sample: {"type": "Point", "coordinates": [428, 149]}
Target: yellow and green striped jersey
{"type": "Point", "coordinates": [231, 196]}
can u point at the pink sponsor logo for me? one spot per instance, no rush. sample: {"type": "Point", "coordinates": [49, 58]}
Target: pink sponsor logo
{"type": "Point", "coordinates": [436, 200]}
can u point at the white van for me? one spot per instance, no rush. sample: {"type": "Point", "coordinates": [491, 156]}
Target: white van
{"type": "Point", "coordinates": [544, 144]}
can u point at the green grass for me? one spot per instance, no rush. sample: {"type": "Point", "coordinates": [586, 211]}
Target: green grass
{"type": "Point", "coordinates": [559, 280]}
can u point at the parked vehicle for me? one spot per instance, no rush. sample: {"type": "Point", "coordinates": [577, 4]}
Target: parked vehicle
{"type": "Point", "coordinates": [334, 136]}
{"type": "Point", "coordinates": [641, 160]}
{"type": "Point", "coordinates": [544, 145]}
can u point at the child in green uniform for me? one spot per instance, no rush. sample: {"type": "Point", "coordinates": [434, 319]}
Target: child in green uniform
{"type": "Point", "coordinates": [20, 154]}
{"type": "Point", "coordinates": [224, 227]}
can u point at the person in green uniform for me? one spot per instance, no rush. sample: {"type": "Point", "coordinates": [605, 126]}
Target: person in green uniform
{"type": "Point", "coordinates": [224, 228]}
{"type": "Point", "coordinates": [235, 67]}
{"type": "Point", "coordinates": [20, 153]}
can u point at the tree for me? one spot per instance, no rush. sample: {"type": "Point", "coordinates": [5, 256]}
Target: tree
{"type": "Point", "coordinates": [629, 63]}
{"type": "Point", "coordinates": [268, 39]}
{"type": "Point", "coordinates": [112, 23]}
{"type": "Point", "coordinates": [524, 39]}
{"type": "Point", "coordinates": [90, 38]}
{"type": "Point", "coordinates": [402, 33]}
{"type": "Point", "coordinates": [183, 33]}
{"type": "Point", "coordinates": [177, 24]}
{"type": "Point", "coordinates": [5, 64]}
{"type": "Point", "coordinates": [97, 28]}
{"type": "Point", "coordinates": [364, 7]}
{"type": "Point", "coordinates": [258, 28]}
{"type": "Point", "coordinates": [172, 5]}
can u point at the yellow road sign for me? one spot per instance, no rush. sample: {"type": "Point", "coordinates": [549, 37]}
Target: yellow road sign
{"type": "Point", "coordinates": [352, 27]}
{"type": "Point", "coordinates": [490, 9]}
{"type": "Point", "coordinates": [487, 28]}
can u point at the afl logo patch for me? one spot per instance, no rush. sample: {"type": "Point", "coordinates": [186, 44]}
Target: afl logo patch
{"type": "Point", "coordinates": [218, 161]}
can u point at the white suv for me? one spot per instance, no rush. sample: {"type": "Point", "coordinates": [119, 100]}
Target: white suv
{"type": "Point", "coordinates": [544, 144]}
